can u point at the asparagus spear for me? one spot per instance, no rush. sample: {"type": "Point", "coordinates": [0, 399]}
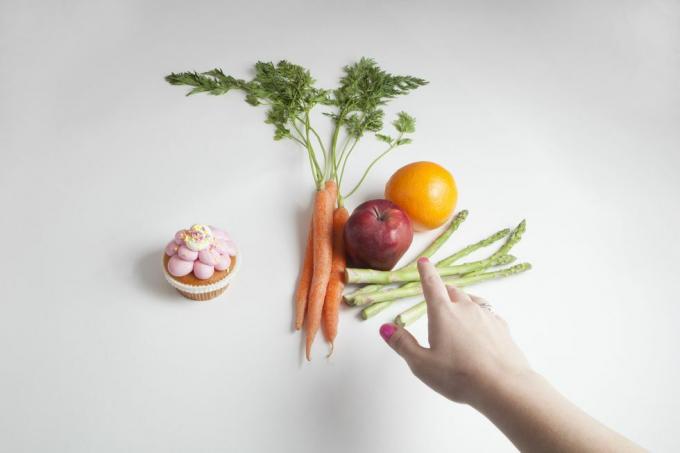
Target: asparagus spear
{"type": "Point", "coordinates": [411, 275]}
{"type": "Point", "coordinates": [465, 251]}
{"type": "Point", "coordinates": [398, 293]}
{"type": "Point", "coordinates": [505, 248]}
{"type": "Point", "coordinates": [349, 298]}
{"type": "Point", "coordinates": [516, 235]}
{"type": "Point", "coordinates": [412, 314]}
{"type": "Point", "coordinates": [376, 307]}
{"type": "Point", "coordinates": [418, 310]}
{"type": "Point", "coordinates": [428, 252]}
{"type": "Point", "coordinates": [513, 239]}
{"type": "Point", "coordinates": [441, 239]}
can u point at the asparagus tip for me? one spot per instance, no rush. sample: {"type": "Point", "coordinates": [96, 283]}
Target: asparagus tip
{"type": "Point", "coordinates": [506, 259]}
{"type": "Point", "coordinates": [521, 267]}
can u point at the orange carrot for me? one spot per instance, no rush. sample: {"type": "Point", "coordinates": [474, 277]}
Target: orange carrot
{"type": "Point", "coordinates": [332, 188]}
{"type": "Point", "coordinates": [331, 305]}
{"type": "Point", "coordinates": [305, 280]}
{"type": "Point", "coordinates": [322, 246]}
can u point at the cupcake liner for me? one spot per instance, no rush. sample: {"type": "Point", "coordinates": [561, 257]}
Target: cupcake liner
{"type": "Point", "coordinates": [203, 297]}
{"type": "Point", "coordinates": [203, 292]}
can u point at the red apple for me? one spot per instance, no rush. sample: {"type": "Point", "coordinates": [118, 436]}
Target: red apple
{"type": "Point", "coordinates": [377, 234]}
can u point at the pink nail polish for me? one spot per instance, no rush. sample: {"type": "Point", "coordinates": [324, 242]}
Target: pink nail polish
{"type": "Point", "coordinates": [423, 259]}
{"type": "Point", "coordinates": [387, 330]}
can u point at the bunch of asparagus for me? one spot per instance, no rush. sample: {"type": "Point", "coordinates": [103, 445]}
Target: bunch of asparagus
{"type": "Point", "coordinates": [379, 292]}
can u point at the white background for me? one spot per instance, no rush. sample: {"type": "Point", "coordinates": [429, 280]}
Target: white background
{"type": "Point", "coordinates": [566, 113]}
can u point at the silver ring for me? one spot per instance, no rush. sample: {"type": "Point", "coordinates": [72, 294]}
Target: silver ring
{"type": "Point", "coordinates": [487, 306]}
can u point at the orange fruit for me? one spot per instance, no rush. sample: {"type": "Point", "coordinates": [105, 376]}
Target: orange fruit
{"type": "Point", "coordinates": [426, 191]}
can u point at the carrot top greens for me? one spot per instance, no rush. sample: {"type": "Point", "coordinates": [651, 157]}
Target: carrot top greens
{"type": "Point", "coordinates": [289, 93]}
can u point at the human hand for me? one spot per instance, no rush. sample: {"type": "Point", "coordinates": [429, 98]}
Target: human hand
{"type": "Point", "coordinates": [470, 346]}
{"type": "Point", "coordinates": [473, 360]}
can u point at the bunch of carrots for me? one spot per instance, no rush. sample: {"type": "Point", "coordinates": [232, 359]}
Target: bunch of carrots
{"type": "Point", "coordinates": [356, 109]}
{"type": "Point", "coordinates": [321, 282]}
{"type": "Point", "coordinates": [319, 291]}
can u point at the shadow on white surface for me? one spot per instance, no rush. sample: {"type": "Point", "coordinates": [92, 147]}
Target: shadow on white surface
{"type": "Point", "coordinates": [149, 271]}
{"type": "Point", "coordinates": [303, 221]}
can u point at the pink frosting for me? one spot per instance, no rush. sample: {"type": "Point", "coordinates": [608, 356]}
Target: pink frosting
{"type": "Point", "coordinates": [186, 254]}
{"type": "Point", "coordinates": [178, 267]}
{"type": "Point", "coordinates": [171, 248]}
{"type": "Point", "coordinates": [224, 263]}
{"type": "Point", "coordinates": [217, 255]}
{"type": "Point", "coordinates": [203, 271]}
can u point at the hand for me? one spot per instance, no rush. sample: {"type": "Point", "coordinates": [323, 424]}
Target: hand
{"type": "Point", "coordinates": [472, 359]}
{"type": "Point", "coordinates": [470, 347]}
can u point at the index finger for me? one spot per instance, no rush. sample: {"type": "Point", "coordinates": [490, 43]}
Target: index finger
{"type": "Point", "coordinates": [433, 286]}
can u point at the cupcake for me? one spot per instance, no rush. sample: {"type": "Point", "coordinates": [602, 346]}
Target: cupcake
{"type": "Point", "coordinates": [200, 262]}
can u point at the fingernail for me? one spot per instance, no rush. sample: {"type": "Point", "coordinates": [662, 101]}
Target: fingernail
{"type": "Point", "coordinates": [387, 330]}
{"type": "Point", "coordinates": [423, 260]}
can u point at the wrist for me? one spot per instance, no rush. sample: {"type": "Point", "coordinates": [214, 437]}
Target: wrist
{"type": "Point", "coordinates": [500, 387]}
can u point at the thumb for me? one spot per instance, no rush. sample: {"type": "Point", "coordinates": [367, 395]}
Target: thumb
{"type": "Point", "coordinates": [403, 343]}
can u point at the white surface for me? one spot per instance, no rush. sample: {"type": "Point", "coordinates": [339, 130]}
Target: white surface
{"type": "Point", "coordinates": [565, 113]}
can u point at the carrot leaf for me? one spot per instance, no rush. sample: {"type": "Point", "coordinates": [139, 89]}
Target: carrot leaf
{"type": "Point", "coordinates": [289, 93]}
